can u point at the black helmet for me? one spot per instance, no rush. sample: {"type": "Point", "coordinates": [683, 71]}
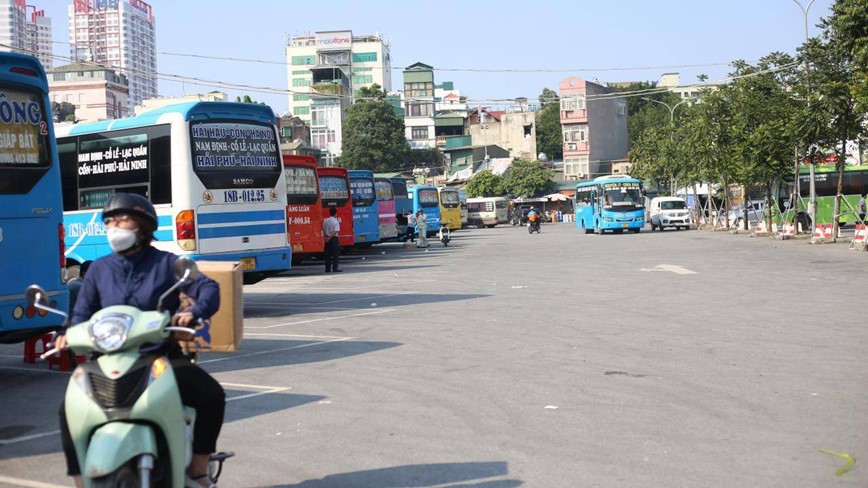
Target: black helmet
{"type": "Point", "coordinates": [133, 204]}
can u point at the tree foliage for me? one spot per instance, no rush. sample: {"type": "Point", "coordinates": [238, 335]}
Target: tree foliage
{"type": "Point", "coordinates": [247, 99]}
{"type": "Point", "coordinates": [485, 184]}
{"type": "Point", "coordinates": [549, 138]}
{"type": "Point", "coordinates": [373, 136]}
{"type": "Point", "coordinates": [526, 178]}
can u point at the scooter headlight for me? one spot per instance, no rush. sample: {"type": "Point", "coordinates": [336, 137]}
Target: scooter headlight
{"type": "Point", "coordinates": [109, 332]}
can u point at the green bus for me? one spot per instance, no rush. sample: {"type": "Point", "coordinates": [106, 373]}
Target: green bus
{"type": "Point", "coordinates": [826, 186]}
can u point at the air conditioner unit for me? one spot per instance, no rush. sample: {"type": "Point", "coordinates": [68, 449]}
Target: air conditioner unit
{"type": "Point", "coordinates": [580, 175]}
{"type": "Point", "coordinates": [571, 147]}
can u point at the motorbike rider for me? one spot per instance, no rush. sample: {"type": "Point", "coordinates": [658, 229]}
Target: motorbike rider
{"type": "Point", "coordinates": [137, 274]}
{"type": "Point", "coordinates": [533, 216]}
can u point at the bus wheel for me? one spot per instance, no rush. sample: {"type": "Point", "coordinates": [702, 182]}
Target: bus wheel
{"type": "Point", "coordinates": [480, 225]}
{"type": "Point", "coordinates": [636, 230]}
{"type": "Point", "coordinates": [597, 229]}
{"type": "Point", "coordinates": [490, 226]}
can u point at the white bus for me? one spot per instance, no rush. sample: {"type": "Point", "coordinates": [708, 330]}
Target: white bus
{"type": "Point", "coordinates": [213, 171]}
{"type": "Point", "coordinates": [487, 211]}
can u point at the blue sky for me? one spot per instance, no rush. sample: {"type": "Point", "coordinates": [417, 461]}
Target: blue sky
{"type": "Point", "coordinates": [477, 34]}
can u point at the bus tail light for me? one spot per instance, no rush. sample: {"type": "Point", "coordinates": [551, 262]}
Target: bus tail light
{"type": "Point", "coordinates": [185, 230]}
{"type": "Point", "coordinates": [23, 71]}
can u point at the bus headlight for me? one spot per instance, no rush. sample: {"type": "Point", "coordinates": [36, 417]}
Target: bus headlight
{"type": "Point", "coordinates": [607, 219]}
{"type": "Point", "coordinates": [109, 332]}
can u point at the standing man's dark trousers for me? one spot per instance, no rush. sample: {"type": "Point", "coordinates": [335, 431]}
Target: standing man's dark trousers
{"type": "Point", "coordinates": [332, 253]}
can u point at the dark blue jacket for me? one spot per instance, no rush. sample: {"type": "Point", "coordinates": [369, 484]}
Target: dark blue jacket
{"type": "Point", "coordinates": [139, 280]}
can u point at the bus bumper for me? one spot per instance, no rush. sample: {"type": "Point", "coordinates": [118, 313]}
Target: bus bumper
{"type": "Point", "coordinates": [18, 329]}
{"type": "Point", "coordinates": [259, 261]}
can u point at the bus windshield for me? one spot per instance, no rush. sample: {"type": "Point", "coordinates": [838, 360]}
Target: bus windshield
{"type": "Point", "coordinates": [428, 198]}
{"type": "Point", "coordinates": [235, 154]}
{"type": "Point", "coordinates": [334, 189]}
{"type": "Point", "coordinates": [301, 186]}
{"type": "Point", "coordinates": [384, 190]}
{"type": "Point", "coordinates": [399, 190]}
{"type": "Point", "coordinates": [449, 199]}
{"type": "Point", "coordinates": [622, 196]}
{"type": "Point", "coordinates": [362, 192]}
{"type": "Point", "coordinates": [24, 142]}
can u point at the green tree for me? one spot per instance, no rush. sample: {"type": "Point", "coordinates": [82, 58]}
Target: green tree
{"type": "Point", "coordinates": [485, 184]}
{"type": "Point", "coordinates": [526, 178]}
{"type": "Point", "coordinates": [247, 99]}
{"type": "Point", "coordinates": [373, 136]}
{"type": "Point", "coordinates": [549, 136]}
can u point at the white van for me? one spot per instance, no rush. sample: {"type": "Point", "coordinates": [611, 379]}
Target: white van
{"type": "Point", "coordinates": [669, 212]}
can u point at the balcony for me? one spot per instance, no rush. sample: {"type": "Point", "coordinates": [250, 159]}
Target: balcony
{"type": "Point", "coordinates": [572, 147]}
{"type": "Point", "coordinates": [440, 141]}
{"type": "Point", "coordinates": [579, 116]}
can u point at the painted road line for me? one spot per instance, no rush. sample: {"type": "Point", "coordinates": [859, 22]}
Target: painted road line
{"type": "Point", "coordinates": [297, 335]}
{"type": "Point", "coordinates": [267, 390]}
{"type": "Point", "coordinates": [228, 358]}
{"type": "Point", "coordinates": [16, 440]}
{"type": "Point", "coordinates": [259, 393]}
{"type": "Point", "coordinates": [671, 268]}
{"type": "Point", "coordinates": [309, 321]}
{"type": "Point", "coordinates": [27, 483]}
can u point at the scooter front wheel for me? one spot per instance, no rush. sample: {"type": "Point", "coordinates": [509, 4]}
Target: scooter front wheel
{"type": "Point", "coordinates": [123, 477]}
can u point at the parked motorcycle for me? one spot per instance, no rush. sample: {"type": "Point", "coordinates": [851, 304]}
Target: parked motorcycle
{"type": "Point", "coordinates": [445, 236]}
{"type": "Point", "coordinates": [124, 409]}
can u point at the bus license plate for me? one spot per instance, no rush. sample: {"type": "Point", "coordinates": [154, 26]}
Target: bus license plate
{"type": "Point", "coordinates": [248, 264]}
{"type": "Point", "coordinates": [624, 226]}
{"type": "Point", "coordinates": [297, 247]}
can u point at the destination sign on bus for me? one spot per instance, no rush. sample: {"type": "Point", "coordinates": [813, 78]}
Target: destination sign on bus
{"type": "Point", "coordinates": [113, 161]}
{"type": "Point", "coordinates": [23, 132]}
{"type": "Point", "coordinates": [232, 146]}
{"type": "Point", "coordinates": [300, 181]}
{"type": "Point", "coordinates": [334, 188]}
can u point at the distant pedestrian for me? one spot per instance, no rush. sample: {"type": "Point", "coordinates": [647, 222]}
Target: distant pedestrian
{"type": "Point", "coordinates": [411, 227]}
{"type": "Point", "coordinates": [330, 229]}
{"type": "Point", "coordinates": [422, 228]}
{"type": "Point", "coordinates": [862, 208]}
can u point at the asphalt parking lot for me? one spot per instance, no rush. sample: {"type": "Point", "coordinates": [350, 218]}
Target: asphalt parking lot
{"type": "Point", "coordinates": [553, 360]}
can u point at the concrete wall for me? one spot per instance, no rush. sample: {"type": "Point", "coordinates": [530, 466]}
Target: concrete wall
{"type": "Point", "coordinates": [508, 133]}
{"type": "Point", "coordinates": [608, 136]}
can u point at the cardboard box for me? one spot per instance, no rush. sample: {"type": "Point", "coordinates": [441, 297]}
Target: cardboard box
{"type": "Point", "coordinates": [226, 327]}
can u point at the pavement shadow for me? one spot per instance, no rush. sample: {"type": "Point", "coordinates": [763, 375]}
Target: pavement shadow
{"type": "Point", "coordinates": [443, 475]}
{"type": "Point", "coordinates": [265, 353]}
{"type": "Point", "coordinates": [245, 408]}
{"type": "Point", "coordinates": [273, 305]}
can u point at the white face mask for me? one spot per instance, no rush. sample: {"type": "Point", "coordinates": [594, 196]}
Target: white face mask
{"type": "Point", "coordinates": [121, 240]}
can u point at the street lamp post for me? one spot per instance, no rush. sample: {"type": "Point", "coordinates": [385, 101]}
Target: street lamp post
{"type": "Point", "coordinates": [671, 122]}
{"type": "Point", "coordinates": [812, 208]}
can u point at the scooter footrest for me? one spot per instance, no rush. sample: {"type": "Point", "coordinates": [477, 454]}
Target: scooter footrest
{"type": "Point", "coordinates": [221, 456]}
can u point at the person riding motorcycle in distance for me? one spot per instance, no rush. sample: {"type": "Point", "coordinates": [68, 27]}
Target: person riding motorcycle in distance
{"type": "Point", "coordinates": [533, 214]}
{"type": "Point", "coordinates": [137, 274]}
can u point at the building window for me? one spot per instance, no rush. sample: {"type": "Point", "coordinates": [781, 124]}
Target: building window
{"type": "Point", "coordinates": [303, 60]}
{"type": "Point", "coordinates": [425, 89]}
{"type": "Point", "coordinates": [573, 102]}
{"type": "Point", "coordinates": [301, 82]}
{"type": "Point", "coordinates": [302, 111]}
{"type": "Point", "coordinates": [364, 57]}
{"type": "Point", "coordinates": [362, 70]}
{"type": "Point", "coordinates": [419, 133]}
{"type": "Point", "coordinates": [419, 109]}
{"type": "Point", "coordinates": [320, 138]}
{"type": "Point", "coordinates": [301, 72]}
{"type": "Point", "coordinates": [318, 116]}
{"type": "Point", "coordinates": [576, 135]}
{"type": "Point", "coordinates": [362, 79]}
{"type": "Point", "coordinates": [300, 97]}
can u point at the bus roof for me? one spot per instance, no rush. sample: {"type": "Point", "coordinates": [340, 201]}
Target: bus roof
{"type": "Point", "coordinates": [603, 180]}
{"type": "Point", "coordinates": [361, 173]}
{"type": "Point", "coordinates": [299, 160]}
{"type": "Point", "coordinates": [189, 111]}
{"type": "Point", "coordinates": [9, 61]}
{"type": "Point", "coordinates": [331, 171]}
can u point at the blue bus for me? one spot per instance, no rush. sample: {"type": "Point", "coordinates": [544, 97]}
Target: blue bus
{"type": "Point", "coordinates": [31, 210]}
{"type": "Point", "coordinates": [213, 171]}
{"type": "Point", "coordinates": [366, 213]}
{"type": "Point", "coordinates": [427, 199]}
{"type": "Point", "coordinates": [613, 203]}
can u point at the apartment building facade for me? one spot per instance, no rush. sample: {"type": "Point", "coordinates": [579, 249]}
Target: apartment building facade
{"type": "Point", "coordinates": [364, 59]}
{"type": "Point", "coordinates": [98, 93]}
{"type": "Point", "coordinates": [120, 34]}
{"type": "Point", "coordinates": [594, 125]}
{"type": "Point", "coordinates": [26, 30]}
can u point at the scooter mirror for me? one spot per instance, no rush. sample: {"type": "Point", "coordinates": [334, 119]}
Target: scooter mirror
{"type": "Point", "coordinates": [185, 269]}
{"type": "Point", "coordinates": [35, 294]}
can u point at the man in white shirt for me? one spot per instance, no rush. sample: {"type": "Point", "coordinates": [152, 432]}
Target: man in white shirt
{"type": "Point", "coordinates": [330, 229]}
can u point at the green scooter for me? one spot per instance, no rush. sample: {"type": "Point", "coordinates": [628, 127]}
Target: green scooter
{"type": "Point", "coordinates": [124, 409]}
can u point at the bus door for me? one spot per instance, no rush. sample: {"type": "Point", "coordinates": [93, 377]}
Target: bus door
{"type": "Point", "coordinates": [386, 207]}
{"type": "Point", "coordinates": [31, 206]}
{"type": "Point", "coordinates": [334, 187]}
{"type": "Point", "coordinates": [303, 207]}
{"type": "Point", "coordinates": [366, 220]}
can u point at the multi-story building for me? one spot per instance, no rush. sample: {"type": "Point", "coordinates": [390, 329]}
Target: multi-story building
{"type": "Point", "coordinates": [98, 93]}
{"type": "Point", "coordinates": [29, 34]}
{"type": "Point", "coordinates": [513, 130]}
{"type": "Point", "coordinates": [594, 128]}
{"type": "Point", "coordinates": [419, 108]}
{"type": "Point", "coordinates": [364, 60]}
{"type": "Point", "coordinates": [149, 104]}
{"type": "Point", "coordinates": [120, 34]}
